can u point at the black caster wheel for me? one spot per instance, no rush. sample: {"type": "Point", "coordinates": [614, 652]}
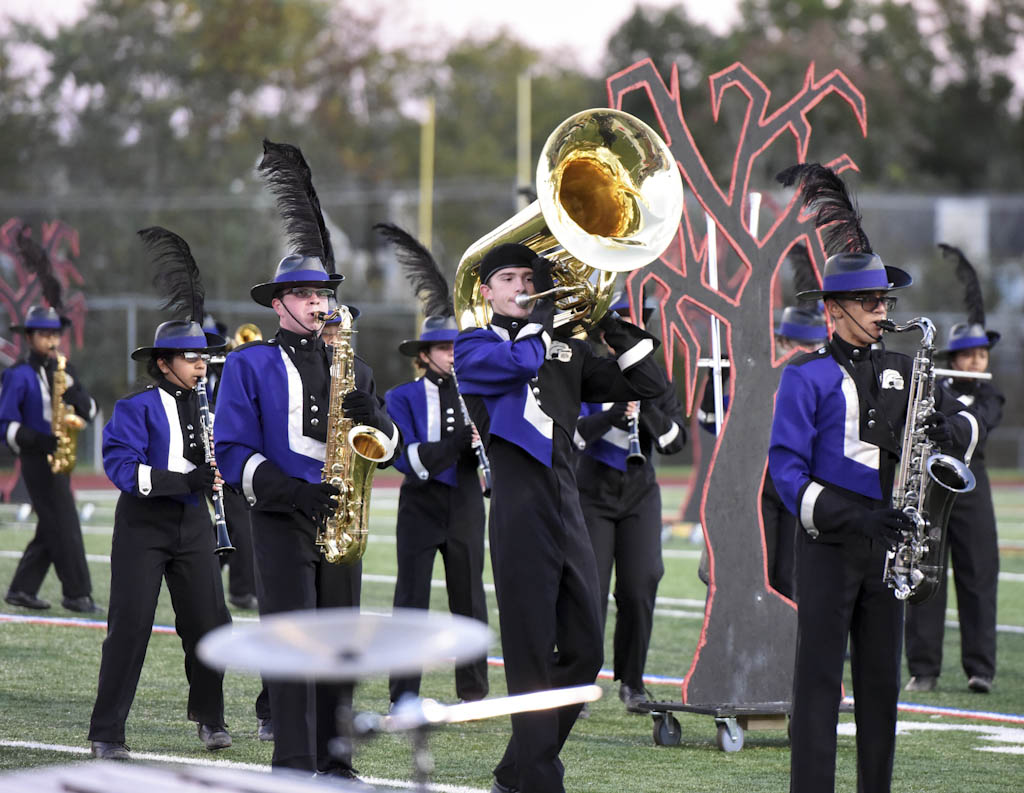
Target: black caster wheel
{"type": "Point", "coordinates": [667, 731]}
{"type": "Point", "coordinates": [730, 736]}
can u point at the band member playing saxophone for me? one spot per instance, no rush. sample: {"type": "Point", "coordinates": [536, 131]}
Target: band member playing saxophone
{"type": "Point", "coordinates": [621, 502]}
{"type": "Point", "coordinates": [153, 453]}
{"type": "Point", "coordinates": [440, 505]}
{"type": "Point", "coordinates": [26, 425]}
{"type": "Point", "coordinates": [523, 388]}
{"type": "Point", "coordinates": [835, 448]}
{"type": "Point", "coordinates": [271, 439]}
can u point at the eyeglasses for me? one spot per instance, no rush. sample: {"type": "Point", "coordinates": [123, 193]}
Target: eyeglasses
{"type": "Point", "coordinates": [306, 292]}
{"type": "Point", "coordinates": [871, 302]}
{"type": "Point", "coordinates": [193, 357]}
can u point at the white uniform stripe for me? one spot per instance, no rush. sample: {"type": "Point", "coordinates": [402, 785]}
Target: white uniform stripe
{"type": "Point", "coordinates": [810, 498]}
{"type": "Point", "coordinates": [433, 411]}
{"type": "Point", "coordinates": [175, 444]}
{"type": "Point", "coordinates": [635, 354]}
{"type": "Point", "coordinates": [297, 441]}
{"type": "Point", "coordinates": [412, 451]}
{"type": "Point", "coordinates": [854, 448]}
{"type": "Point", "coordinates": [668, 437]}
{"type": "Point", "coordinates": [12, 430]}
{"type": "Point", "coordinates": [145, 477]}
{"type": "Point", "coordinates": [249, 474]}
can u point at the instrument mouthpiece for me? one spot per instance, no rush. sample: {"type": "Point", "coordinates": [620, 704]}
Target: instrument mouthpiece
{"type": "Point", "coordinates": [523, 301]}
{"type": "Point", "coordinates": [886, 324]}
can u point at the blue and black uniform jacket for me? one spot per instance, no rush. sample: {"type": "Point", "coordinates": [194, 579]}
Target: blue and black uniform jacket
{"type": "Point", "coordinates": [273, 403]}
{"type": "Point", "coordinates": [25, 403]}
{"type": "Point", "coordinates": [837, 432]}
{"type": "Point", "coordinates": [153, 439]}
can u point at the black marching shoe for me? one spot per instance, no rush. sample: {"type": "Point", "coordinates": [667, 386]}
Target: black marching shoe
{"type": "Point", "coordinates": [105, 750]}
{"type": "Point", "coordinates": [631, 697]}
{"type": "Point", "coordinates": [248, 602]}
{"type": "Point", "coordinates": [921, 683]}
{"type": "Point", "coordinates": [497, 787]}
{"type": "Point", "coordinates": [83, 605]}
{"type": "Point", "coordinates": [979, 684]}
{"type": "Point", "coordinates": [25, 600]}
{"type": "Point", "coordinates": [214, 737]}
{"type": "Point", "coordinates": [265, 729]}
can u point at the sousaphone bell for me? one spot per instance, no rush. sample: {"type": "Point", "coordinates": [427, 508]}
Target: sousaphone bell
{"type": "Point", "coordinates": [609, 200]}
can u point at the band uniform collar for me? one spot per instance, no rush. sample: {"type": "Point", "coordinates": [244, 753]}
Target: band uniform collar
{"type": "Point", "coordinates": [297, 341]}
{"type": "Point", "coordinates": [175, 391]}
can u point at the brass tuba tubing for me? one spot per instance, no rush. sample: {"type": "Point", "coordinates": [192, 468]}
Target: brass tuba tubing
{"type": "Point", "coordinates": [559, 291]}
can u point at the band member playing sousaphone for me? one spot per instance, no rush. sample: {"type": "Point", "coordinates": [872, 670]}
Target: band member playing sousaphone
{"type": "Point", "coordinates": [523, 387]}
{"type": "Point", "coordinates": [440, 505]}
{"type": "Point", "coordinates": [835, 448]}
{"type": "Point", "coordinates": [272, 432]}
{"type": "Point", "coordinates": [37, 392]}
{"type": "Point", "coordinates": [153, 452]}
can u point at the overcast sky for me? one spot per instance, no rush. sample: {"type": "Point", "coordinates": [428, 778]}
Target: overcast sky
{"type": "Point", "coordinates": [580, 28]}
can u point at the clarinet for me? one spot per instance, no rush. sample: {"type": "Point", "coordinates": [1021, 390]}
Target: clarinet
{"type": "Point", "coordinates": [478, 444]}
{"type": "Point", "coordinates": [635, 455]}
{"type": "Point", "coordinates": [224, 545]}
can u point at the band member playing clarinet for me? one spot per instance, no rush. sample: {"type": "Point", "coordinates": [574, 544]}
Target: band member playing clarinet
{"type": "Point", "coordinates": [440, 505]}
{"type": "Point", "coordinates": [523, 388]}
{"type": "Point", "coordinates": [835, 447]}
{"type": "Point", "coordinates": [270, 441]}
{"type": "Point", "coordinates": [621, 502]}
{"type": "Point", "coordinates": [153, 452]}
{"type": "Point", "coordinates": [26, 425]}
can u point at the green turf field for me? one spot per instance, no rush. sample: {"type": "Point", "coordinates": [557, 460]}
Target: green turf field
{"type": "Point", "coordinates": [48, 675]}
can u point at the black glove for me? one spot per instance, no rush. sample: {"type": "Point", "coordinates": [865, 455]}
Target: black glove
{"type": "Point", "coordinates": [542, 281]}
{"type": "Point", "coordinates": [617, 415]}
{"type": "Point", "coordinates": [315, 500]}
{"type": "Point", "coordinates": [30, 440]}
{"type": "Point", "coordinates": [886, 524]}
{"type": "Point", "coordinates": [937, 428]}
{"type": "Point", "coordinates": [200, 478]}
{"type": "Point", "coordinates": [619, 334]}
{"type": "Point", "coordinates": [362, 407]}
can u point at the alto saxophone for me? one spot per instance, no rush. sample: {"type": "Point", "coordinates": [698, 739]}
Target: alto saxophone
{"type": "Point", "coordinates": [353, 451]}
{"type": "Point", "coordinates": [65, 423]}
{"type": "Point", "coordinates": [925, 485]}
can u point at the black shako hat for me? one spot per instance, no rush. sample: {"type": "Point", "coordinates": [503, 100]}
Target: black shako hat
{"type": "Point", "coordinates": [510, 254]}
{"type": "Point", "coordinates": [294, 271]}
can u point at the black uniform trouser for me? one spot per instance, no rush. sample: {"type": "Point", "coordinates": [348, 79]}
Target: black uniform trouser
{"type": "Point", "coordinates": [155, 540]}
{"type": "Point", "coordinates": [58, 537]}
{"type": "Point", "coordinates": [545, 577]}
{"type": "Point", "coordinates": [622, 510]}
{"type": "Point", "coordinates": [241, 575]}
{"type": "Point", "coordinates": [433, 518]}
{"type": "Point", "coordinates": [292, 576]}
{"type": "Point", "coordinates": [974, 548]}
{"type": "Point", "coordinates": [841, 594]}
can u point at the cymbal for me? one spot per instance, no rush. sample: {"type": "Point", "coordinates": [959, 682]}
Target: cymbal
{"type": "Point", "coordinates": [99, 776]}
{"type": "Point", "coordinates": [344, 644]}
{"type": "Point", "coordinates": [411, 713]}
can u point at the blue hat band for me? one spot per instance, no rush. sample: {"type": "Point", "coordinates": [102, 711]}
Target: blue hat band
{"type": "Point", "coordinates": [182, 342]}
{"type": "Point", "coordinates": [862, 279]}
{"type": "Point", "coordinates": [43, 324]}
{"type": "Point", "coordinates": [439, 335]}
{"type": "Point", "coordinates": [301, 275]}
{"type": "Point", "coordinates": [792, 330]}
{"type": "Point", "coordinates": [968, 342]}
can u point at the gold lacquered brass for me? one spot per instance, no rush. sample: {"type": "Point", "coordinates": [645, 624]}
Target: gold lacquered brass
{"type": "Point", "coordinates": [65, 423]}
{"type": "Point", "coordinates": [609, 200]}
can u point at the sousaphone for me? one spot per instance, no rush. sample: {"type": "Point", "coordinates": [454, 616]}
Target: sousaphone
{"type": "Point", "coordinates": [609, 200]}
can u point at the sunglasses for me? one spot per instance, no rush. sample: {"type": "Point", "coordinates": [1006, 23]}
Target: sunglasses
{"type": "Point", "coordinates": [871, 302]}
{"type": "Point", "coordinates": [306, 292]}
{"type": "Point", "coordinates": [193, 357]}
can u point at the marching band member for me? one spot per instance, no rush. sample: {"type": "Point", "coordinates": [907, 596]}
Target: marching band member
{"type": "Point", "coordinates": [271, 436]}
{"type": "Point", "coordinates": [835, 448]}
{"type": "Point", "coordinates": [440, 504]}
{"type": "Point", "coordinates": [153, 452]}
{"type": "Point", "coordinates": [523, 389]}
{"type": "Point", "coordinates": [621, 502]}
{"type": "Point", "coordinates": [26, 427]}
{"type": "Point", "coordinates": [971, 532]}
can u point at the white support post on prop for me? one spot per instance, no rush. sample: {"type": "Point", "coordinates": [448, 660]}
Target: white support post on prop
{"type": "Point", "coordinates": [716, 340]}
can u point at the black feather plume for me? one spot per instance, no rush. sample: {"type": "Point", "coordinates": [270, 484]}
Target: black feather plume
{"type": "Point", "coordinates": [973, 300]}
{"type": "Point", "coordinates": [804, 278]}
{"type": "Point", "coordinates": [423, 272]}
{"type": "Point", "coordinates": [37, 260]}
{"type": "Point", "coordinates": [822, 191]}
{"type": "Point", "coordinates": [177, 275]}
{"type": "Point", "coordinates": [291, 181]}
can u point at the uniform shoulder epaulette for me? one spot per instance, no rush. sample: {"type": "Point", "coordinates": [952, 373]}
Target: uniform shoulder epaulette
{"type": "Point", "coordinates": [139, 391]}
{"type": "Point", "coordinates": [808, 357]}
{"type": "Point", "coordinates": [255, 343]}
